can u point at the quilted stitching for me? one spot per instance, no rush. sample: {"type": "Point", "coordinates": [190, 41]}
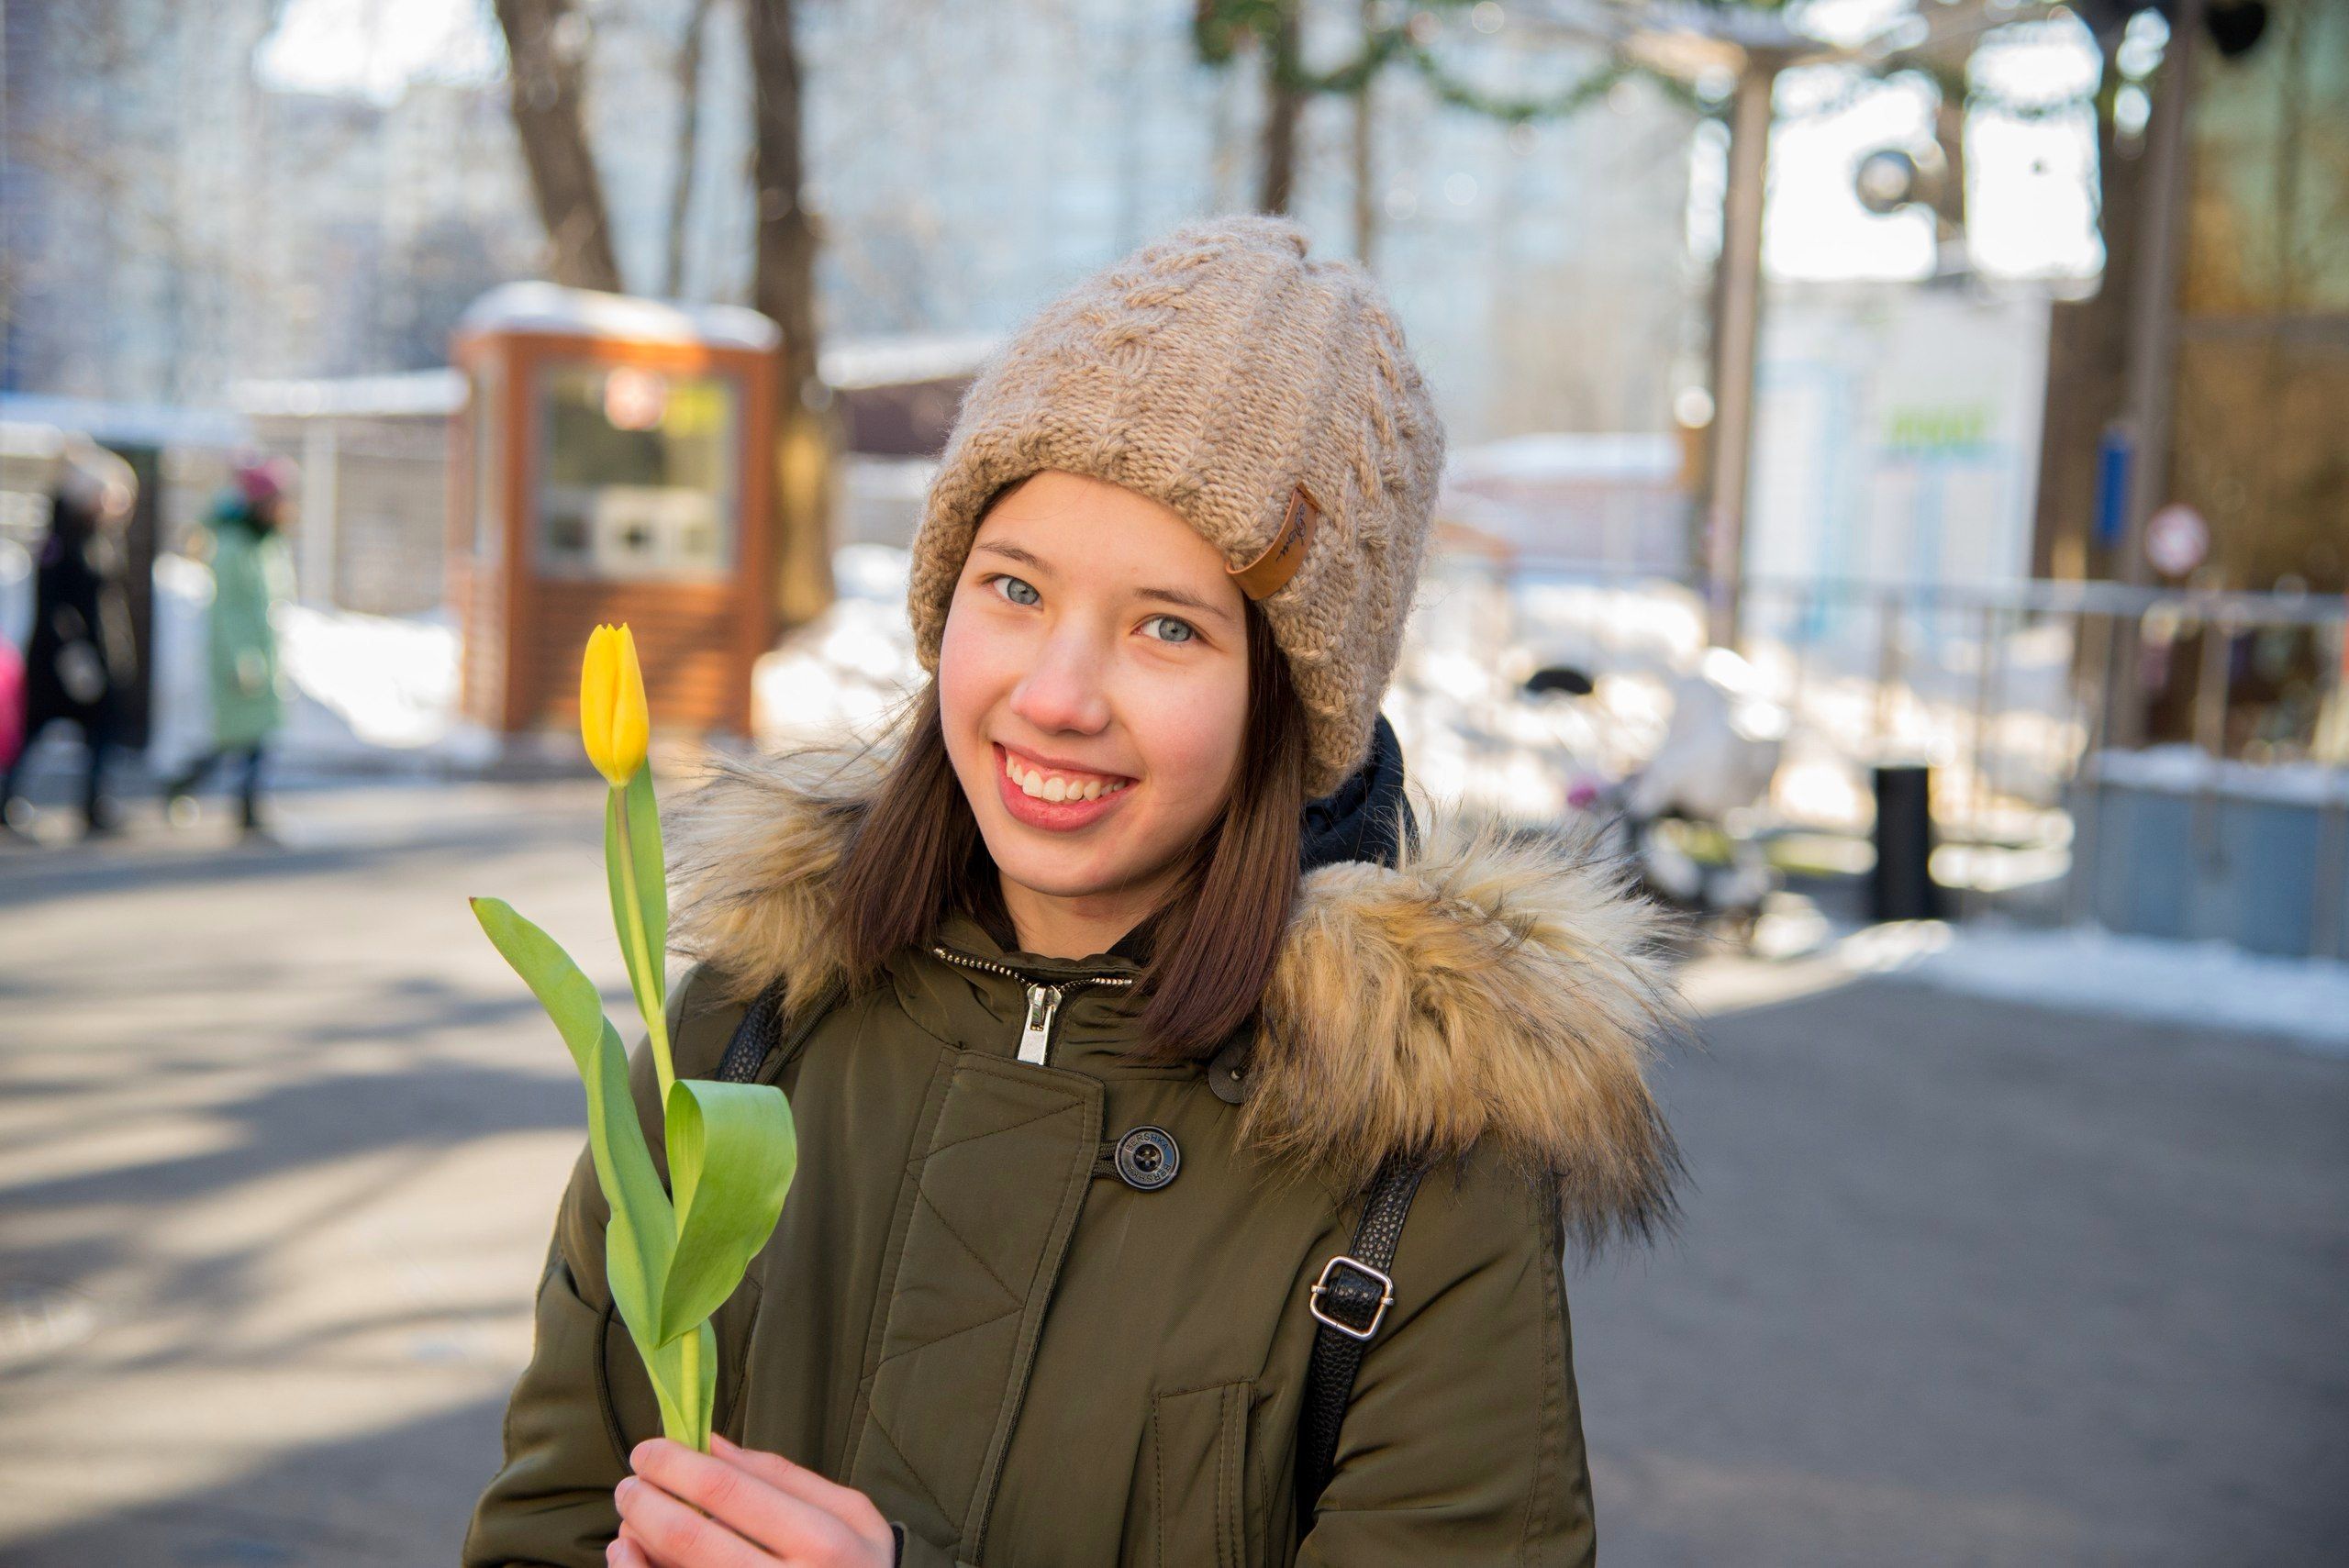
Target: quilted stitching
{"type": "Point", "coordinates": [966, 1280]}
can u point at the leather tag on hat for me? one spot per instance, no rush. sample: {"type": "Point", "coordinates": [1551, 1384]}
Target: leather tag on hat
{"type": "Point", "coordinates": [1271, 571]}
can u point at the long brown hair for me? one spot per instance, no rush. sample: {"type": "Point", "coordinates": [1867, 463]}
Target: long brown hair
{"type": "Point", "coordinates": [916, 853]}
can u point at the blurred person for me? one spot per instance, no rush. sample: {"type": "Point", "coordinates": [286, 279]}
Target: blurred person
{"type": "Point", "coordinates": [1121, 1006]}
{"type": "Point", "coordinates": [83, 654]}
{"type": "Point", "coordinates": [251, 576]}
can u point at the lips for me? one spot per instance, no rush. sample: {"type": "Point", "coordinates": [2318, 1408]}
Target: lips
{"type": "Point", "coordinates": [1028, 788]}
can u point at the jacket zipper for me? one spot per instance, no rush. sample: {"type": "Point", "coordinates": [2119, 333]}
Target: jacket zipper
{"type": "Point", "coordinates": [1043, 1001]}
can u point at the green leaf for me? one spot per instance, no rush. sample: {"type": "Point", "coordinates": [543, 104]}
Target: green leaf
{"type": "Point", "coordinates": [640, 849]}
{"type": "Point", "coordinates": [641, 1238]}
{"type": "Point", "coordinates": [732, 1151]}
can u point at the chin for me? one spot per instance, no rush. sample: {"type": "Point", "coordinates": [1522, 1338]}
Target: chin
{"type": "Point", "coordinates": [1051, 868]}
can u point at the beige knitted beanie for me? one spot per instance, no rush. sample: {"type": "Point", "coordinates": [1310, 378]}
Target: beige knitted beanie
{"type": "Point", "coordinates": [1266, 397]}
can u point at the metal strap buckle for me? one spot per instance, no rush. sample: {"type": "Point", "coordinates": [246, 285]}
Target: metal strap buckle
{"type": "Point", "coordinates": [1386, 1296]}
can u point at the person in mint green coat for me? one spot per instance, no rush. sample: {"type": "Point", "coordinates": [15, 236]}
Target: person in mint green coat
{"type": "Point", "coordinates": [251, 575]}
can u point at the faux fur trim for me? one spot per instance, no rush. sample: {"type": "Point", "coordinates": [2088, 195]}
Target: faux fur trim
{"type": "Point", "coordinates": [1491, 988]}
{"type": "Point", "coordinates": [1500, 988]}
{"type": "Point", "coordinates": [750, 855]}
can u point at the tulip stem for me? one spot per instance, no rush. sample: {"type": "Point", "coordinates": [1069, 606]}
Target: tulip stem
{"type": "Point", "coordinates": [689, 1386]}
{"type": "Point", "coordinates": [656, 1020]}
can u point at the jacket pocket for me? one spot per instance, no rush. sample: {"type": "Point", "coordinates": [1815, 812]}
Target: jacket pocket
{"type": "Point", "coordinates": [1190, 1484]}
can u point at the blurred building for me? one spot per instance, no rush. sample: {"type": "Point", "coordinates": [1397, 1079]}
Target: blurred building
{"type": "Point", "coordinates": [1897, 434]}
{"type": "Point", "coordinates": [175, 225]}
{"type": "Point", "coordinates": [2263, 367]}
{"type": "Point", "coordinates": [177, 222]}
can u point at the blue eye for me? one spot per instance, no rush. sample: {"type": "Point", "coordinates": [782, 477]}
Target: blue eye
{"type": "Point", "coordinates": [1177, 630]}
{"type": "Point", "coordinates": [1012, 588]}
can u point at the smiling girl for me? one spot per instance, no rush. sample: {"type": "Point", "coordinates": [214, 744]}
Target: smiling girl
{"type": "Point", "coordinates": [1190, 1141]}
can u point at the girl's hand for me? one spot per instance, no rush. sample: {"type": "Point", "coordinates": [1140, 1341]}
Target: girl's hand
{"type": "Point", "coordinates": [736, 1507]}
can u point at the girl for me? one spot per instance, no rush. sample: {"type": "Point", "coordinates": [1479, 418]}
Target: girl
{"type": "Point", "coordinates": [1121, 1004]}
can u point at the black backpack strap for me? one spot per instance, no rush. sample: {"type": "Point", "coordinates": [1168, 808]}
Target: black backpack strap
{"type": "Point", "coordinates": [1350, 1300]}
{"type": "Point", "coordinates": [765, 1029]}
{"type": "Point", "coordinates": [759, 1032]}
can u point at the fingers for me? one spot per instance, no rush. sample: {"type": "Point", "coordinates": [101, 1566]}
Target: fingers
{"type": "Point", "coordinates": [627, 1550]}
{"type": "Point", "coordinates": [762, 1498]}
{"type": "Point", "coordinates": [670, 1530]}
{"type": "Point", "coordinates": [843, 1502]}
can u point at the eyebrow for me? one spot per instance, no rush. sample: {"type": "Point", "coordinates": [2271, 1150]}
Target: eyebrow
{"type": "Point", "coordinates": [1166, 595]}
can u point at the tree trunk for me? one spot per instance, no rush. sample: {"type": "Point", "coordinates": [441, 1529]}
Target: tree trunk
{"type": "Point", "coordinates": [681, 175]}
{"type": "Point", "coordinates": [2087, 353]}
{"type": "Point", "coordinates": [1949, 136]}
{"type": "Point", "coordinates": [546, 43]}
{"type": "Point", "coordinates": [1283, 104]}
{"type": "Point", "coordinates": [783, 286]}
{"type": "Point", "coordinates": [1366, 184]}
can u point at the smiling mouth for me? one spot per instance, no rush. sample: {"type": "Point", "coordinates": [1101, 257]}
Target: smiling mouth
{"type": "Point", "coordinates": [1058, 784]}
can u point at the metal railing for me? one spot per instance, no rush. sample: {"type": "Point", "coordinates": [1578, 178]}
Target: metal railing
{"type": "Point", "coordinates": [2008, 691]}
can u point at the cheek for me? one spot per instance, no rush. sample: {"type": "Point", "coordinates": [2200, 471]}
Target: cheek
{"type": "Point", "coordinates": [1191, 740]}
{"type": "Point", "coordinates": [976, 670]}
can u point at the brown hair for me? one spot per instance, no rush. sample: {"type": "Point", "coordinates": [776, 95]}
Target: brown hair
{"type": "Point", "coordinates": [916, 853]}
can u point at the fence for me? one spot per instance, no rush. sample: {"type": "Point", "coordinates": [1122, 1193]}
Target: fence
{"type": "Point", "coordinates": [2009, 693]}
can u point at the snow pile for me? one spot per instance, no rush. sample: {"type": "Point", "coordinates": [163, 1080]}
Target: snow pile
{"type": "Point", "coordinates": [180, 685]}
{"type": "Point", "coordinates": [390, 682]}
{"type": "Point", "coordinates": [846, 670]}
{"type": "Point", "coordinates": [2187, 769]}
{"type": "Point", "coordinates": [2081, 969]}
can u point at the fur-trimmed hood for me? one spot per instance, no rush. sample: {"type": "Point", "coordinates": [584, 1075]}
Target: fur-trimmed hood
{"type": "Point", "coordinates": [1485, 987]}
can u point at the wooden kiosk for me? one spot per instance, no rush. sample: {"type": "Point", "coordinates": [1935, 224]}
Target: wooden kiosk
{"type": "Point", "coordinates": [610, 465]}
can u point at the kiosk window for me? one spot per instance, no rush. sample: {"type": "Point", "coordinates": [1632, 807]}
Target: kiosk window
{"type": "Point", "coordinates": [638, 472]}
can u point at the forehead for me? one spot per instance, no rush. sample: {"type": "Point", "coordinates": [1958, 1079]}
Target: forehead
{"type": "Point", "coordinates": [1091, 530]}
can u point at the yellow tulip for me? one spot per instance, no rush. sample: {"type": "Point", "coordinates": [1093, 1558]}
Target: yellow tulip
{"type": "Point", "coordinates": [613, 721]}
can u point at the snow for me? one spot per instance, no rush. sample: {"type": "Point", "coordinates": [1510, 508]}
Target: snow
{"type": "Point", "coordinates": [847, 671]}
{"type": "Point", "coordinates": [542, 307]}
{"type": "Point", "coordinates": [2082, 969]}
{"type": "Point", "coordinates": [391, 683]}
{"type": "Point", "coordinates": [360, 691]}
{"type": "Point", "coordinates": [2187, 769]}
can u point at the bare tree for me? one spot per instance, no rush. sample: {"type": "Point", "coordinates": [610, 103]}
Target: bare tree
{"type": "Point", "coordinates": [1365, 146]}
{"type": "Point", "coordinates": [681, 175]}
{"type": "Point", "coordinates": [546, 45]}
{"type": "Point", "coordinates": [1221, 30]}
{"type": "Point", "coordinates": [1284, 105]}
{"type": "Point", "coordinates": [783, 285]}
{"type": "Point", "coordinates": [2088, 349]}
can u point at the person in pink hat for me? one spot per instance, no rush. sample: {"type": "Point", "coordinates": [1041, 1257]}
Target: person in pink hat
{"type": "Point", "coordinates": [251, 575]}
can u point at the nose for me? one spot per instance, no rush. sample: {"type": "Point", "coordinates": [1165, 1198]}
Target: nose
{"type": "Point", "coordinates": [1064, 692]}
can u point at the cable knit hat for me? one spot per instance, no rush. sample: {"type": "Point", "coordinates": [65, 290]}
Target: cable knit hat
{"type": "Point", "coordinates": [1268, 397]}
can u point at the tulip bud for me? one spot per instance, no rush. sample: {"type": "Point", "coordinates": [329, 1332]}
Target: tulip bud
{"type": "Point", "coordinates": [613, 721]}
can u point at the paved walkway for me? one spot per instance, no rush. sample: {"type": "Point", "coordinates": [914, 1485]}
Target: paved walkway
{"type": "Point", "coordinates": [1960, 1282]}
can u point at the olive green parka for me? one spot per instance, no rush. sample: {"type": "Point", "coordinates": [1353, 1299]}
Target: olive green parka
{"type": "Point", "coordinates": [1026, 1359]}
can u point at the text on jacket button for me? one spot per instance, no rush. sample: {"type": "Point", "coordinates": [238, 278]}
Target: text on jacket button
{"type": "Point", "coordinates": [1148, 1159]}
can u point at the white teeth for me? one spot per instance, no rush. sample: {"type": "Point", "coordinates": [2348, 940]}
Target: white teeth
{"type": "Point", "coordinates": [1042, 787]}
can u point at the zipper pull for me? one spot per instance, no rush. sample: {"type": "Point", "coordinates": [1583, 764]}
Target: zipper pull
{"type": "Point", "coordinates": [1043, 1001]}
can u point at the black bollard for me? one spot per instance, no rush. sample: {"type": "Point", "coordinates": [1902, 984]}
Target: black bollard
{"type": "Point", "coordinates": [1902, 886]}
